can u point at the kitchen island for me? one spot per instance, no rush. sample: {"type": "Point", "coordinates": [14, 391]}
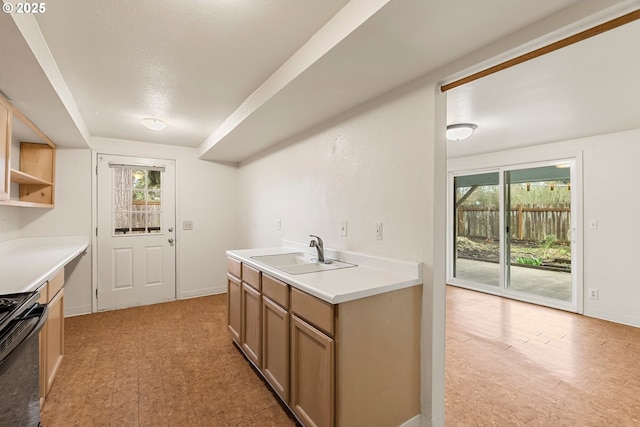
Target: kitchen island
{"type": "Point", "coordinates": [339, 347]}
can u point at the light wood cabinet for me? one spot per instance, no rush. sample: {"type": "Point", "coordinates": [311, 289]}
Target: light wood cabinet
{"type": "Point", "coordinates": [27, 161]}
{"type": "Point", "coordinates": [5, 145]}
{"type": "Point", "coordinates": [351, 364]}
{"type": "Point", "coordinates": [275, 335]}
{"type": "Point", "coordinates": [312, 374]}
{"type": "Point", "coordinates": [55, 338]}
{"type": "Point", "coordinates": [234, 307]}
{"type": "Point", "coordinates": [52, 333]}
{"type": "Point", "coordinates": [234, 298]}
{"type": "Point", "coordinates": [251, 336]}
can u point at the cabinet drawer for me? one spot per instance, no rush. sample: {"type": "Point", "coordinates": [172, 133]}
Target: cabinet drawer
{"type": "Point", "coordinates": [276, 290]}
{"type": "Point", "coordinates": [55, 285]}
{"type": "Point", "coordinates": [251, 276]}
{"type": "Point", "coordinates": [313, 310]}
{"type": "Point", "coordinates": [234, 267]}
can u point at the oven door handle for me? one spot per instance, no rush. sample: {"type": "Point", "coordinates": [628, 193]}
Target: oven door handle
{"type": "Point", "coordinates": [22, 328]}
{"type": "Point", "coordinates": [40, 311]}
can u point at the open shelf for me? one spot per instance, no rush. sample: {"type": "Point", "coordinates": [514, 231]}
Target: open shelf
{"type": "Point", "coordinates": [28, 159]}
{"type": "Point", "coordinates": [24, 178]}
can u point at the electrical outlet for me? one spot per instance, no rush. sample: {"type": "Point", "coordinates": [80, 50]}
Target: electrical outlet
{"type": "Point", "coordinates": [593, 293]}
{"type": "Point", "coordinates": [187, 225]}
{"type": "Point", "coordinates": [279, 224]}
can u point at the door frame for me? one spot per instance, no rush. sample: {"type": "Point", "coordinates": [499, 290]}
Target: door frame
{"type": "Point", "coordinates": [577, 210]}
{"type": "Point", "coordinates": [94, 219]}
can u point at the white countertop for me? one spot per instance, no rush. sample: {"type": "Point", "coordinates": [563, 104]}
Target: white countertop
{"type": "Point", "coordinates": [371, 276]}
{"type": "Point", "coordinates": [27, 262]}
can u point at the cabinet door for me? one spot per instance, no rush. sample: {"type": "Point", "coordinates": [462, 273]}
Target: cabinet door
{"type": "Point", "coordinates": [312, 374]}
{"type": "Point", "coordinates": [234, 313]}
{"type": "Point", "coordinates": [5, 144]}
{"type": "Point", "coordinates": [251, 318]}
{"type": "Point", "coordinates": [275, 346]}
{"type": "Point", "coordinates": [55, 337]}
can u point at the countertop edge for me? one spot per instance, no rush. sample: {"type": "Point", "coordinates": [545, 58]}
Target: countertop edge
{"type": "Point", "coordinates": [398, 282]}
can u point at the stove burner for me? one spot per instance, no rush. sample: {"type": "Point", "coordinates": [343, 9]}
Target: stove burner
{"type": "Point", "coordinates": [7, 304]}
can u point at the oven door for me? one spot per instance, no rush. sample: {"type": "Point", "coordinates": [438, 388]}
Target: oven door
{"type": "Point", "coordinates": [19, 369]}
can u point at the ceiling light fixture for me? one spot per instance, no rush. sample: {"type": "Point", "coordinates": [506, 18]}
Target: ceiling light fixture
{"type": "Point", "coordinates": [460, 131]}
{"type": "Point", "coordinates": [153, 124]}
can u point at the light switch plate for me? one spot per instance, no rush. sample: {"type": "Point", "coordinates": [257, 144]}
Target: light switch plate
{"type": "Point", "coordinates": [378, 230]}
{"type": "Point", "coordinates": [187, 225]}
{"type": "Point", "coordinates": [343, 228]}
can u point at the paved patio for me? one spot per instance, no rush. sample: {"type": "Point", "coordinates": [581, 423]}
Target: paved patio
{"type": "Point", "coordinates": [546, 283]}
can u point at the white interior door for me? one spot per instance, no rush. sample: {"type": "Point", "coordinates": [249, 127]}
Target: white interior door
{"type": "Point", "coordinates": [136, 223]}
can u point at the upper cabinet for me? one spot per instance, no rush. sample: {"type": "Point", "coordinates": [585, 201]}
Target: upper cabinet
{"type": "Point", "coordinates": [27, 161]}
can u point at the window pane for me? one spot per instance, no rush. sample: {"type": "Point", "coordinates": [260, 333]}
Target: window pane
{"type": "Point", "coordinates": [121, 178]}
{"type": "Point", "coordinates": [121, 222]}
{"type": "Point", "coordinates": [139, 178]}
{"type": "Point", "coordinates": [121, 200]}
{"type": "Point", "coordinates": [154, 196]}
{"type": "Point", "coordinates": [477, 228]}
{"type": "Point", "coordinates": [154, 179]}
{"type": "Point", "coordinates": [139, 196]}
{"type": "Point", "coordinates": [539, 242]}
{"type": "Point", "coordinates": [153, 222]}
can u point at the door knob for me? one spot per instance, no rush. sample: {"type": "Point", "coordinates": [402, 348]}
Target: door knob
{"type": "Point", "coordinates": [171, 241]}
{"type": "Point", "coordinates": [170, 229]}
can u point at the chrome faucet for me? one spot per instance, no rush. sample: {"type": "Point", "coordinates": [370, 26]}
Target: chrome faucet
{"type": "Point", "coordinates": [319, 247]}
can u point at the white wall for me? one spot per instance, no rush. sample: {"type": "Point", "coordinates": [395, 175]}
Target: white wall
{"type": "Point", "coordinates": [610, 174]}
{"type": "Point", "coordinates": [71, 216]}
{"type": "Point", "coordinates": [206, 195]}
{"type": "Point", "coordinates": [10, 222]}
{"type": "Point", "coordinates": [374, 163]}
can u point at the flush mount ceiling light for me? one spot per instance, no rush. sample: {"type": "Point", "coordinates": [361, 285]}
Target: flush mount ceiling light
{"type": "Point", "coordinates": [153, 124]}
{"type": "Point", "coordinates": [460, 131]}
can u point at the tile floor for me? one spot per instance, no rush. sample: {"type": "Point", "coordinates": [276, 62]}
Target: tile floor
{"type": "Point", "coordinates": [164, 365]}
{"type": "Point", "coordinates": [508, 363]}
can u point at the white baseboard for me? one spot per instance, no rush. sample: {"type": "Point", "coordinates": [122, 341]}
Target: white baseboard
{"type": "Point", "coordinates": [612, 317]}
{"type": "Point", "coordinates": [77, 311]}
{"type": "Point", "coordinates": [203, 292]}
{"type": "Point", "coordinates": [413, 422]}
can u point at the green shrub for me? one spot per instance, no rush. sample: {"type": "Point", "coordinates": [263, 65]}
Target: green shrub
{"type": "Point", "coordinates": [530, 260]}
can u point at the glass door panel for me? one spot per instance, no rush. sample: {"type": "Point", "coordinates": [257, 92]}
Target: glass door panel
{"type": "Point", "coordinates": [538, 231]}
{"type": "Point", "coordinates": [477, 227]}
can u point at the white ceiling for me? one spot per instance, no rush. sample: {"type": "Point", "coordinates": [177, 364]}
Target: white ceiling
{"type": "Point", "coordinates": [233, 77]}
{"type": "Point", "coordinates": [589, 88]}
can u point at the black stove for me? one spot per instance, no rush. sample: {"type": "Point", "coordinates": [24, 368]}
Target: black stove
{"type": "Point", "coordinates": [12, 304]}
{"type": "Point", "coordinates": [21, 318]}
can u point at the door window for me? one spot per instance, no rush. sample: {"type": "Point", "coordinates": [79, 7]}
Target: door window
{"type": "Point", "coordinates": [137, 199]}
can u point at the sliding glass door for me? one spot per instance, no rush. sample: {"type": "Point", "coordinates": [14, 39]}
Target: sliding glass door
{"type": "Point", "coordinates": [512, 233]}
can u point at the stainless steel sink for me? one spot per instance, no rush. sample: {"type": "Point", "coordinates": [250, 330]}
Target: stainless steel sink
{"type": "Point", "coordinates": [299, 263]}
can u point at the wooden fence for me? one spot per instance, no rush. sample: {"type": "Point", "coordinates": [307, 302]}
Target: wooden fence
{"type": "Point", "coordinates": [529, 223]}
